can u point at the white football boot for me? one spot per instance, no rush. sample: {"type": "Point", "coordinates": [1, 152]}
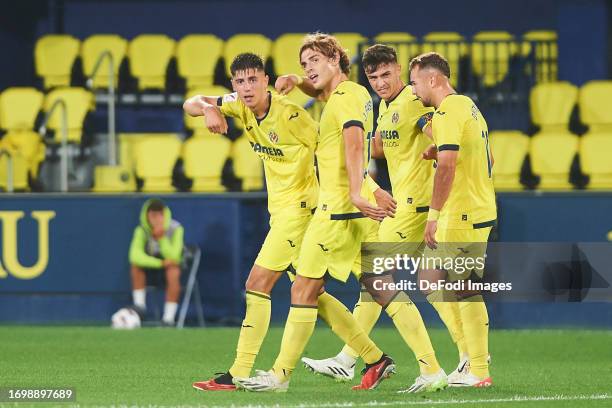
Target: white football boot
{"type": "Point", "coordinates": [340, 367]}
{"type": "Point", "coordinates": [263, 381]}
{"type": "Point", "coordinates": [456, 378]}
{"type": "Point", "coordinates": [428, 383]}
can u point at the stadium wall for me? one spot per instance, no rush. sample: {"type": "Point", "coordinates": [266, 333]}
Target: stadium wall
{"type": "Point", "coordinates": [64, 258]}
{"type": "Point", "coordinates": [24, 22]}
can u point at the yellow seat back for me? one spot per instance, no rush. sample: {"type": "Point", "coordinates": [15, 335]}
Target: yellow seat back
{"type": "Point", "coordinates": [247, 165]}
{"type": "Point", "coordinates": [351, 42]}
{"type": "Point", "coordinates": [594, 102]}
{"type": "Point", "coordinates": [239, 43]}
{"type": "Point", "coordinates": [203, 159]}
{"type": "Point", "coordinates": [405, 46]}
{"type": "Point", "coordinates": [545, 54]}
{"type": "Point", "coordinates": [509, 149]}
{"type": "Point", "coordinates": [198, 124]}
{"type": "Point", "coordinates": [113, 179]}
{"type": "Point", "coordinates": [196, 57]}
{"type": "Point", "coordinates": [78, 102]}
{"type": "Point", "coordinates": [285, 53]}
{"type": "Point", "coordinates": [491, 55]}
{"type": "Point", "coordinates": [551, 104]}
{"type": "Point", "coordinates": [28, 144]}
{"type": "Point", "coordinates": [19, 171]}
{"type": "Point", "coordinates": [450, 45]}
{"type": "Point", "coordinates": [19, 108]}
{"type": "Point", "coordinates": [149, 56]}
{"type": "Point", "coordinates": [93, 47]}
{"type": "Point", "coordinates": [595, 159]}
{"type": "Point", "coordinates": [54, 55]}
{"type": "Point", "coordinates": [155, 157]}
{"type": "Point", "coordinates": [551, 158]}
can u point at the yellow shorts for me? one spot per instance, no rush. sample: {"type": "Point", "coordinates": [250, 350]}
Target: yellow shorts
{"type": "Point", "coordinates": [281, 248]}
{"type": "Point", "coordinates": [461, 252]}
{"type": "Point", "coordinates": [407, 228]}
{"type": "Point", "coordinates": [334, 246]}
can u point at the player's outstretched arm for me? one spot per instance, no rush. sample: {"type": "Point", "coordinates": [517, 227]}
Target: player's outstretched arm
{"type": "Point", "coordinates": [353, 150]}
{"type": "Point", "coordinates": [200, 105]}
{"type": "Point", "coordinates": [285, 84]}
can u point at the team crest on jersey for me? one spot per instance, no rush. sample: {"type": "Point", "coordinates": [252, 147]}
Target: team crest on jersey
{"type": "Point", "coordinates": [273, 136]}
{"type": "Point", "coordinates": [395, 117]}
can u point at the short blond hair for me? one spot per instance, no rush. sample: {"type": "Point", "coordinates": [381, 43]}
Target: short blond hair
{"type": "Point", "coordinates": [329, 46]}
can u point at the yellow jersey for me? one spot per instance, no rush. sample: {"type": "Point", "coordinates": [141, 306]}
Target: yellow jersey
{"type": "Point", "coordinates": [458, 125]}
{"type": "Point", "coordinates": [285, 140]}
{"type": "Point", "coordinates": [349, 105]}
{"type": "Point", "coordinates": [400, 125]}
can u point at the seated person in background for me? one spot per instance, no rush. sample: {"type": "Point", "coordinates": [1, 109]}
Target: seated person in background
{"type": "Point", "coordinates": [157, 244]}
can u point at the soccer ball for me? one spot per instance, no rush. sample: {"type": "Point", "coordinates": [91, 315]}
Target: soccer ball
{"type": "Point", "coordinates": [125, 318]}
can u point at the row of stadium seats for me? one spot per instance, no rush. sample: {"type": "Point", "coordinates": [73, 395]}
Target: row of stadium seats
{"type": "Point", "coordinates": [197, 55]}
{"type": "Point", "coordinates": [152, 158]}
{"type": "Point", "coordinates": [551, 156]}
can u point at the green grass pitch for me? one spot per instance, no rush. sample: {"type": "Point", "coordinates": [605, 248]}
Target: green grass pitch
{"type": "Point", "coordinates": [155, 367]}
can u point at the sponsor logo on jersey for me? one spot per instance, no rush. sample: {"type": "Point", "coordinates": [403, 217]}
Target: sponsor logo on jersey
{"type": "Point", "coordinates": [269, 151]}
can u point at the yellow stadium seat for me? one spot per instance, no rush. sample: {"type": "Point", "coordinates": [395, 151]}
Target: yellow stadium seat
{"type": "Point", "coordinates": [239, 43]}
{"type": "Point", "coordinates": [203, 159]}
{"type": "Point", "coordinates": [509, 149]}
{"type": "Point", "coordinates": [149, 56]}
{"type": "Point", "coordinates": [449, 44]}
{"type": "Point", "coordinates": [595, 160]}
{"type": "Point", "coordinates": [546, 54]}
{"type": "Point", "coordinates": [551, 158]}
{"type": "Point", "coordinates": [247, 165]}
{"type": "Point", "coordinates": [19, 171]}
{"type": "Point", "coordinates": [155, 157]}
{"type": "Point", "coordinates": [28, 144]}
{"type": "Point", "coordinates": [54, 55]}
{"type": "Point", "coordinates": [594, 101]}
{"type": "Point", "coordinates": [285, 54]}
{"type": "Point", "coordinates": [551, 104]}
{"type": "Point", "coordinates": [198, 124]}
{"type": "Point", "coordinates": [351, 43]}
{"type": "Point", "coordinates": [78, 103]}
{"type": "Point", "coordinates": [93, 47]}
{"type": "Point", "coordinates": [196, 57]}
{"type": "Point", "coordinates": [113, 179]}
{"type": "Point", "coordinates": [19, 108]}
{"type": "Point", "coordinates": [491, 55]}
{"type": "Point", "coordinates": [128, 143]}
{"type": "Point", "coordinates": [405, 45]}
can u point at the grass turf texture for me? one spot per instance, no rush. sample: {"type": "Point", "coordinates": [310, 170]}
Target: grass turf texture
{"type": "Point", "coordinates": [155, 367]}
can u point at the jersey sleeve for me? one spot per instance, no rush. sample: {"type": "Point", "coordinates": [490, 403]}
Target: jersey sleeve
{"type": "Point", "coordinates": [420, 115]}
{"type": "Point", "coordinates": [447, 126]}
{"type": "Point", "coordinates": [349, 111]}
{"type": "Point", "coordinates": [301, 125]}
{"type": "Point", "coordinates": [230, 105]}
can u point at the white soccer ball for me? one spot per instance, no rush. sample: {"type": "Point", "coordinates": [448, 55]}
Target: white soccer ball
{"type": "Point", "coordinates": [125, 318]}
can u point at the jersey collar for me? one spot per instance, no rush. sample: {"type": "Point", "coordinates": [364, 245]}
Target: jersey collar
{"type": "Point", "coordinates": [395, 97]}
{"type": "Point", "coordinates": [267, 111]}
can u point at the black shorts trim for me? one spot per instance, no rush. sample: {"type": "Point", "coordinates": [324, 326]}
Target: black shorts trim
{"type": "Point", "coordinates": [346, 216]}
{"type": "Point", "coordinates": [485, 224]}
{"type": "Point", "coordinates": [304, 306]}
{"type": "Point", "coordinates": [452, 147]}
{"type": "Point", "coordinates": [261, 295]}
{"type": "Point", "coordinates": [422, 209]}
{"type": "Point", "coordinates": [351, 123]}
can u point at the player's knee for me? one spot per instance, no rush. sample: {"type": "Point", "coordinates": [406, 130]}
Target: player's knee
{"type": "Point", "coordinates": [261, 280]}
{"type": "Point", "coordinates": [304, 293]}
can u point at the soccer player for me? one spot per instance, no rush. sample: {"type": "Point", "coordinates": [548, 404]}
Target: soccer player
{"type": "Point", "coordinates": [332, 244]}
{"type": "Point", "coordinates": [462, 210]}
{"type": "Point", "coordinates": [401, 120]}
{"type": "Point", "coordinates": [284, 136]}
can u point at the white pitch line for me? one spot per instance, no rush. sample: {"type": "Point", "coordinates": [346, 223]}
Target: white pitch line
{"type": "Point", "coordinates": [516, 398]}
